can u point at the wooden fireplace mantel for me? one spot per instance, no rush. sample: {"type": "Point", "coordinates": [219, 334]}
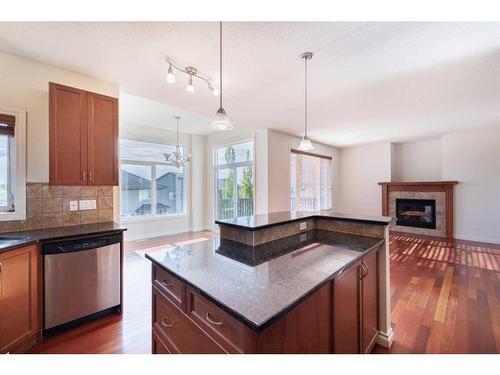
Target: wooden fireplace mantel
{"type": "Point", "coordinates": [422, 186]}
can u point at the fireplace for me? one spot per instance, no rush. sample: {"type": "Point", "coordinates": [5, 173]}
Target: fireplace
{"type": "Point", "coordinates": [420, 213]}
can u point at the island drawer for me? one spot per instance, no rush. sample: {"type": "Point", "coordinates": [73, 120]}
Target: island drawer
{"type": "Point", "coordinates": [170, 286]}
{"type": "Point", "coordinates": [157, 345]}
{"type": "Point", "coordinates": [230, 333]}
{"type": "Point", "coordinates": [180, 334]}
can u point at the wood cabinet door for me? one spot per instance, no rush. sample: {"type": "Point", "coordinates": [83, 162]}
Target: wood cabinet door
{"type": "Point", "coordinates": [67, 135]}
{"type": "Point", "coordinates": [369, 302]}
{"type": "Point", "coordinates": [102, 114]}
{"type": "Point", "coordinates": [19, 299]}
{"type": "Point", "coordinates": [346, 311]}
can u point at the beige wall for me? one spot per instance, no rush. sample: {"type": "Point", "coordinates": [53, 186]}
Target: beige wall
{"type": "Point", "coordinates": [25, 84]}
{"type": "Point", "coordinates": [361, 168]}
{"type": "Point", "coordinates": [417, 161]}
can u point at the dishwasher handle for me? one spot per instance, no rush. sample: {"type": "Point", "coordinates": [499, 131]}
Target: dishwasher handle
{"type": "Point", "coordinates": [82, 244]}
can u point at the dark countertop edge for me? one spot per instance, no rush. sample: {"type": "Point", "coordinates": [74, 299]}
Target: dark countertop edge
{"type": "Point", "coordinates": [260, 327]}
{"type": "Point", "coordinates": [314, 216]}
{"type": "Point", "coordinates": [34, 241]}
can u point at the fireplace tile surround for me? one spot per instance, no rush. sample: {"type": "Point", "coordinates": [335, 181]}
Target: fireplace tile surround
{"type": "Point", "coordinates": [440, 191]}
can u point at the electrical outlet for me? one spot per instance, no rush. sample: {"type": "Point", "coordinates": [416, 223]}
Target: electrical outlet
{"type": "Point", "coordinates": [303, 237]}
{"type": "Point", "coordinates": [88, 204]}
{"type": "Point", "coordinates": [303, 225]}
{"type": "Point", "coordinates": [73, 205]}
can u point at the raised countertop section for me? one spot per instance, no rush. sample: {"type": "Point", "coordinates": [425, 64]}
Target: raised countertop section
{"type": "Point", "coordinates": [255, 222]}
{"type": "Point", "coordinates": [258, 295]}
{"type": "Point", "coordinates": [13, 240]}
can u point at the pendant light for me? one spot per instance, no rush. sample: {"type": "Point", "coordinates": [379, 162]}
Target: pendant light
{"type": "Point", "coordinates": [177, 158]}
{"type": "Point", "coordinates": [221, 121]}
{"type": "Point", "coordinates": [305, 143]}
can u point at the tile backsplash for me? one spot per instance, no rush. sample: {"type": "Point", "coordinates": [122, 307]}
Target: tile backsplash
{"type": "Point", "coordinates": [47, 206]}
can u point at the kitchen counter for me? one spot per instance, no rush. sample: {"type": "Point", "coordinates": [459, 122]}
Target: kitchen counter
{"type": "Point", "coordinates": [255, 222]}
{"type": "Point", "coordinates": [276, 277]}
{"type": "Point", "coordinates": [13, 240]}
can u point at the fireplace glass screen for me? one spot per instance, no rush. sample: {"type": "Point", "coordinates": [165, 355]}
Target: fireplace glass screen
{"type": "Point", "coordinates": [419, 213]}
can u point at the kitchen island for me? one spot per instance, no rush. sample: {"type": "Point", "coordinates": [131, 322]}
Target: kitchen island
{"type": "Point", "coordinates": [278, 283]}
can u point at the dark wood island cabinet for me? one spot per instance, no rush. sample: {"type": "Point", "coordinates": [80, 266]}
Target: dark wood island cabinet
{"type": "Point", "coordinates": [320, 296]}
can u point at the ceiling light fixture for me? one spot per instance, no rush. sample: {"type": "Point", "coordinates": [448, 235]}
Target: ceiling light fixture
{"type": "Point", "coordinates": [170, 74]}
{"type": "Point", "coordinates": [191, 73]}
{"type": "Point", "coordinates": [177, 158]}
{"type": "Point", "coordinates": [305, 143]}
{"type": "Point", "coordinates": [221, 121]}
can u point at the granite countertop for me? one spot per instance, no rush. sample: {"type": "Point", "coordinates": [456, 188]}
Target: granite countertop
{"type": "Point", "coordinates": [13, 240]}
{"type": "Point", "coordinates": [258, 295]}
{"type": "Point", "coordinates": [276, 218]}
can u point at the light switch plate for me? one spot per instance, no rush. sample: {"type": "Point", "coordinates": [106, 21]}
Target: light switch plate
{"type": "Point", "coordinates": [89, 204]}
{"type": "Point", "coordinates": [73, 205]}
{"type": "Point", "coordinates": [303, 225]}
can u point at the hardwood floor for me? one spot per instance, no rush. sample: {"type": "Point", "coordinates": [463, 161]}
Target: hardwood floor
{"type": "Point", "coordinates": [445, 299]}
{"type": "Point", "coordinates": [445, 296]}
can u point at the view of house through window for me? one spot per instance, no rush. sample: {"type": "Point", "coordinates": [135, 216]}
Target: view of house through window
{"type": "Point", "coordinates": [310, 182]}
{"type": "Point", "coordinates": [148, 186]}
{"type": "Point", "coordinates": [234, 172]}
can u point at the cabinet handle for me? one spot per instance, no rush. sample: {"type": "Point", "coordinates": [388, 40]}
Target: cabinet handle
{"type": "Point", "coordinates": [84, 175]}
{"type": "Point", "coordinates": [208, 317]}
{"type": "Point", "coordinates": [164, 322]}
{"type": "Point", "coordinates": [167, 283]}
{"type": "Point", "coordinates": [365, 268]}
{"type": "Point", "coordinates": [0, 266]}
{"type": "Point", "coordinates": [90, 175]}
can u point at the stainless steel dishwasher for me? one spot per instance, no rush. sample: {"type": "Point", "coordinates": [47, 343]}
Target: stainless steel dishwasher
{"type": "Point", "coordinates": [81, 280]}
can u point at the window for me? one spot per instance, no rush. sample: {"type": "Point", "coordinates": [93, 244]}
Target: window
{"type": "Point", "coordinates": [12, 164]}
{"type": "Point", "coordinates": [310, 182]}
{"type": "Point", "coordinates": [149, 187]}
{"type": "Point", "coordinates": [234, 190]}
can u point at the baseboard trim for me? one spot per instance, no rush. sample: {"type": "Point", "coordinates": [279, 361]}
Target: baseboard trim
{"type": "Point", "coordinates": [385, 339]}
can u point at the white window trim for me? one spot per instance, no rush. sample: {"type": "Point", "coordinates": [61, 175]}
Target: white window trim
{"type": "Point", "coordinates": [153, 216]}
{"type": "Point", "coordinates": [235, 165]}
{"type": "Point", "coordinates": [18, 165]}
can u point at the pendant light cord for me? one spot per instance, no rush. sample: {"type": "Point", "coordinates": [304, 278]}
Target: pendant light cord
{"type": "Point", "coordinates": [305, 97]}
{"type": "Point", "coordinates": [220, 63]}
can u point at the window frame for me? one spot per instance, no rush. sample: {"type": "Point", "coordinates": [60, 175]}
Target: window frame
{"type": "Point", "coordinates": [152, 166]}
{"type": "Point", "coordinates": [319, 156]}
{"type": "Point", "coordinates": [17, 168]}
{"type": "Point", "coordinates": [234, 167]}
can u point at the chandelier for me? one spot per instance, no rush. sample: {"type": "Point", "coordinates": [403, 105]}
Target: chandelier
{"type": "Point", "coordinates": [177, 158]}
{"type": "Point", "coordinates": [190, 73]}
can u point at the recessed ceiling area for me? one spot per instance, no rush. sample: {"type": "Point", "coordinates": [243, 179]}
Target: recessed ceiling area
{"type": "Point", "coordinates": [368, 82]}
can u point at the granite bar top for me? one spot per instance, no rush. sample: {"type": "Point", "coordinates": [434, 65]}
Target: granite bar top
{"type": "Point", "coordinates": [259, 295]}
{"type": "Point", "coordinates": [13, 240]}
{"type": "Point", "coordinates": [255, 222]}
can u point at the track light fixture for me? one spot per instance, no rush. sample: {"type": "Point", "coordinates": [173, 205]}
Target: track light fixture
{"type": "Point", "coordinates": [191, 72]}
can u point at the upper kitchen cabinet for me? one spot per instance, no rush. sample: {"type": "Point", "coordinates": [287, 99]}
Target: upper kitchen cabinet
{"type": "Point", "coordinates": [83, 130]}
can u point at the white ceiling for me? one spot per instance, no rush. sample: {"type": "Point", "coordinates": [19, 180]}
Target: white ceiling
{"type": "Point", "coordinates": [368, 81]}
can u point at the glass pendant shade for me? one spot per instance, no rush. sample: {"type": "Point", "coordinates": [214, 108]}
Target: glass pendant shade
{"type": "Point", "coordinates": [305, 144]}
{"type": "Point", "coordinates": [190, 87]}
{"type": "Point", "coordinates": [221, 121]}
{"type": "Point", "coordinates": [170, 75]}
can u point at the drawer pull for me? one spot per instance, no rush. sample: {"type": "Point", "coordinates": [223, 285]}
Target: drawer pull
{"type": "Point", "coordinates": [210, 320]}
{"type": "Point", "coordinates": [166, 283]}
{"type": "Point", "coordinates": [167, 322]}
